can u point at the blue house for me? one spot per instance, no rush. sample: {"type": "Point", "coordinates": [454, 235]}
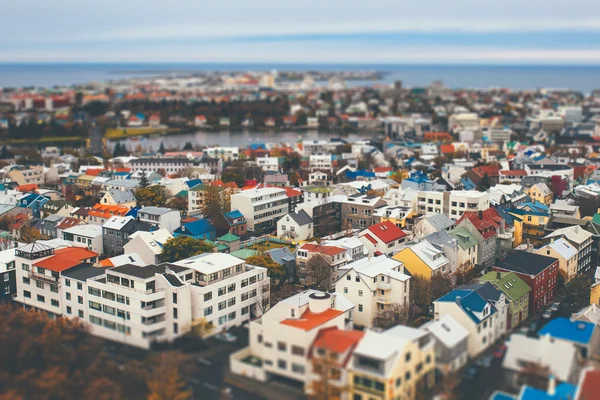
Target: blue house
{"type": "Point", "coordinates": [34, 202]}
{"type": "Point", "coordinates": [199, 229]}
{"type": "Point", "coordinates": [582, 334]}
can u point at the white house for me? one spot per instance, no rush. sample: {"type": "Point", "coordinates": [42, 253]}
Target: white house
{"type": "Point", "coordinates": [268, 163]}
{"type": "Point", "coordinates": [148, 245]}
{"type": "Point", "coordinates": [384, 237]}
{"type": "Point", "coordinates": [166, 218]}
{"type": "Point", "coordinates": [373, 285]}
{"type": "Point", "coordinates": [115, 196]}
{"type": "Point", "coordinates": [86, 235]}
{"type": "Point", "coordinates": [451, 340]}
{"type": "Point", "coordinates": [295, 225]}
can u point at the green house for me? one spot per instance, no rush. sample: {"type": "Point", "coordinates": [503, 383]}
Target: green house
{"type": "Point", "coordinates": [516, 291]}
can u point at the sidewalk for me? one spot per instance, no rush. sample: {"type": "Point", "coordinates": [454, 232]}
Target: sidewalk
{"type": "Point", "coordinates": [266, 390]}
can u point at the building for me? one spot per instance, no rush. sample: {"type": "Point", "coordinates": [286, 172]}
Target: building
{"type": "Point", "coordinates": [8, 275]}
{"type": "Point", "coordinates": [224, 153]}
{"type": "Point", "coordinates": [423, 259]}
{"type": "Point", "coordinates": [267, 163]}
{"type": "Point", "coordinates": [148, 245]}
{"type": "Point", "coordinates": [383, 238]}
{"type": "Point", "coordinates": [584, 336]}
{"type": "Point", "coordinates": [197, 229]}
{"type": "Point", "coordinates": [88, 236]}
{"type": "Point", "coordinates": [539, 272]}
{"type": "Point", "coordinates": [358, 210]}
{"type": "Point", "coordinates": [566, 254]}
{"type": "Point", "coordinates": [396, 363]}
{"type": "Point", "coordinates": [237, 222]}
{"type": "Point", "coordinates": [461, 201]}
{"type": "Point", "coordinates": [168, 165]}
{"type": "Point", "coordinates": [431, 223]}
{"type": "Point", "coordinates": [101, 213]}
{"type": "Point", "coordinates": [27, 175]}
{"type": "Point", "coordinates": [114, 196]}
{"type": "Point", "coordinates": [451, 340]}
{"type": "Point", "coordinates": [541, 193]}
{"type": "Point", "coordinates": [485, 227]}
{"type": "Point", "coordinates": [163, 217]}
{"type": "Point", "coordinates": [355, 248]}
{"type": "Point", "coordinates": [262, 207]}
{"type": "Point", "coordinates": [375, 285]}
{"type": "Point", "coordinates": [530, 222]}
{"type": "Point", "coordinates": [581, 240]}
{"type": "Point", "coordinates": [335, 257]}
{"type": "Point", "coordinates": [516, 291]}
{"type": "Point", "coordinates": [116, 232]}
{"type": "Point", "coordinates": [296, 225]}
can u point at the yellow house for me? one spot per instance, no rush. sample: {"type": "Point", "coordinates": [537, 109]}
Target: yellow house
{"type": "Point", "coordinates": [423, 259]}
{"type": "Point", "coordinates": [390, 365]}
{"type": "Point", "coordinates": [541, 193]}
{"type": "Point", "coordinates": [595, 293]}
{"type": "Point", "coordinates": [530, 224]}
{"type": "Point", "coordinates": [567, 256]}
{"type": "Point", "coordinates": [395, 215]}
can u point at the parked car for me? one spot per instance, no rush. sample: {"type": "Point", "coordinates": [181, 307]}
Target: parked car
{"type": "Point", "coordinates": [226, 337]}
{"type": "Point", "coordinates": [555, 307]}
{"type": "Point", "coordinates": [533, 326]}
{"type": "Point", "coordinates": [499, 353]}
{"type": "Point", "coordinates": [470, 373]}
{"type": "Point", "coordinates": [547, 314]}
{"type": "Point", "coordinates": [485, 361]}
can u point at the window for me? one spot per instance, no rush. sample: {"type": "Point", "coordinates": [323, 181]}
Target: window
{"type": "Point", "coordinates": [174, 298]}
{"type": "Point", "coordinates": [25, 267]}
{"type": "Point", "coordinates": [79, 286]}
{"type": "Point", "coordinates": [208, 296]}
{"type": "Point", "coordinates": [80, 299]}
{"type": "Point", "coordinates": [80, 314]}
{"type": "Point", "coordinates": [245, 310]}
{"type": "Point", "coordinates": [282, 364]}
{"type": "Point", "coordinates": [41, 298]}
{"type": "Point", "coordinates": [360, 308]}
{"type": "Point", "coordinates": [398, 382]}
{"type": "Point", "coordinates": [208, 311]}
{"type": "Point", "coordinates": [175, 328]}
{"type": "Point", "coordinates": [67, 282]}
{"type": "Point", "coordinates": [298, 368]}
{"type": "Point", "coordinates": [222, 291]}
{"type": "Point", "coordinates": [407, 376]}
{"type": "Point", "coordinates": [297, 351]}
{"type": "Point", "coordinates": [281, 346]}
{"type": "Point", "coordinates": [95, 306]}
{"type": "Point", "coordinates": [39, 284]}
{"type": "Point", "coordinates": [94, 291]}
{"type": "Point", "coordinates": [54, 302]}
{"type": "Point", "coordinates": [231, 316]}
{"type": "Point", "coordinates": [54, 288]}
{"type": "Point", "coordinates": [360, 293]}
{"type": "Point", "coordinates": [68, 296]}
{"type": "Point", "coordinates": [348, 277]}
{"type": "Point", "coordinates": [245, 282]}
{"type": "Point", "coordinates": [222, 305]}
{"type": "Point", "coordinates": [244, 296]}
{"type": "Point", "coordinates": [345, 290]}
{"type": "Point", "coordinates": [27, 294]}
{"type": "Point", "coordinates": [231, 288]}
{"type": "Point", "coordinates": [69, 311]}
{"type": "Point", "coordinates": [26, 281]}
{"type": "Point", "coordinates": [174, 313]}
{"type": "Point", "coordinates": [231, 302]}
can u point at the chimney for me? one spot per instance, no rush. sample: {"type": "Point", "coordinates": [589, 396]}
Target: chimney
{"type": "Point", "coordinates": [551, 385]}
{"type": "Point", "coordinates": [458, 300]}
{"type": "Point", "coordinates": [498, 275]}
{"type": "Point", "coordinates": [480, 214]}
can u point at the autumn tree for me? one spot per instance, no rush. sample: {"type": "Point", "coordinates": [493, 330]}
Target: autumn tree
{"type": "Point", "coordinates": [153, 196]}
{"type": "Point", "coordinates": [275, 271]}
{"type": "Point", "coordinates": [327, 370]}
{"type": "Point", "coordinates": [28, 234]}
{"type": "Point", "coordinates": [398, 176]}
{"type": "Point", "coordinates": [318, 272]}
{"type": "Point", "coordinates": [166, 383]}
{"type": "Point", "coordinates": [420, 290]}
{"type": "Point", "coordinates": [440, 285]}
{"type": "Point", "coordinates": [217, 201]}
{"type": "Point", "coordinates": [178, 203]}
{"type": "Point", "coordinates": [393, 314]}
{"type": "Point", "coordinates": [464, 273]}
{"type": "Point", "coordinates": [181, 247]}
{"type": "Point", "coordinates": [579, 291]}
{"type": "Point", "coordinates": [201, 327]}
{"type": "Point", "coordinates": [231, 175]}
{"type": "Point", "coordinates": [144, 180]}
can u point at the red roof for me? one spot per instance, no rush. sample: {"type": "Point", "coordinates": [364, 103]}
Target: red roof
{"type": "Point", "coordinates": [68, 222]}
{"type": "Point", "coordinates": [487, 169]}
{"type": "Point", "coordinates": [309, 320]}
{"type": "Point", "coordinates": [292, 192]}
{"type": "Point", "coordinates": [386, 231]}
{"type": "Point", "coordinates": [515, 172]}
{"type": "Point", "coordinates": [487, 225]}
{"type": "Point", "coordinates": [94, 171]}
{"type": "Point", "coordinates": [382, 169]}
{"type": "Point", "coordinates": [336, 340]}
{"type": "Point", "coordinates": [122, 169]}
{"type": "Point", "coordinates": [18, 221]}
{"type": "Point", "coordinates": [327, 250]}
{"type": "Point", "coordinates": [30, 187]}
{"type": "Point", "coordinates": [447, 149]}
{"type": "Point", "coordinates": [590, 384]}
{"type": "Point", "coordinates": [66, 258]}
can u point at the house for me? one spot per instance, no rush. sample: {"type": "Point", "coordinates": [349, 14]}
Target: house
{"type": "Point", "coordinates": [163, 217]}
{"type": "Point", "coordinates": [581, 240]}
{"type": "Point", "coordinates": [101, 213]}
{"type": "Point", "coordinates": [48, 226]}
{"type": "Point", "coordinates": [27, 175]}
{"type": "Point", "coordinates": [530, 222]}
{"type": "Point", "coordinates": [431, 223]}
{"type": "Point", "coordinates": [334, 256]}
{"type": "Point", "coordinates": [474, 313]}
{"type": "Point", "coordinates": [584, 336]}
{"type": "Point", "coordinates": [468, 248]}
{"type": "Point", "coordinates": [423, 259]}
{"type": "Point", "coordinates": [358, 210]}
{"type": "Point", "coordinates": [541, 193]}
{"type": "Point", "coordinates": [566, 254]}
{"type": "Point", "coordinates": [57, 207]}
{"type": "Point", "coordinates": [125, 198]}
{"type": "Point", "coordinates": [237, 222]}
{"type": "Point", "coordinates": [392, 364]}
{"type": "Point", "coordinates": [539, 272]}
{"type": "Point", "coordinates": [284, 257]}
{"type": "Point", "coordinates": [87, 235]}
{"type": "Point", "coordinates": [563, 208]}
{"type": "Point", "coordinates": [383, 238]}
{"type": "Point", "coordinates": [148, 245]}
{"type": "Point", "coordinates": [282, 338]}
{"type": "Point", "coordinates": [8, 275]}
{"type": "Point", "coordinates": [560, 358]}
{"type": "Point", "coordinates": [198, 229]}
{"type": "Point", "coordinates": [484, 226]}
{"type": "Point", "coordinates": [484, 176]}
{"type": "Point", "coordinates": [375, 285]}
{"type": "Point", "coordinates": [516, 291]}
{"type": "Point", "coordinates": [355, 248]}
{"type": "Point", "coordinates": [116, 232]}
{"type": "Point", "coordinates": [200, 121]}
{"type": "Point", "coordinates": [230, 241]}
{"type": "Point", "coordinates": [65, 223]}
{"type": "Point", "coordinates": [451, 340]}
{"type": "Point", "coordinates": [262, 207]}
{"type": "Point", "coordinates": [296, 225]}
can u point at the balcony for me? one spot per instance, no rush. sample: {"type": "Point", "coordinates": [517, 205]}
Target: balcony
{"type": "Point", "coordinates": [384, 285]}
{"type": "Point", "coordinates": [153, 320]}
{"type": "Point", "coordinates": [384, 299]}
{"type": "Point", "coordinates": [153, 305]}
{"type": "Point", "coordinates": [42, 277]}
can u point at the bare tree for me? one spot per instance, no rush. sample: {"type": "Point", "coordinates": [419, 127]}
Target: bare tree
{"type": "Point", "coordinates": [394, 314]}
{"type": "Point", "coordinates": [263, 296]}
{"type": "Point", "coordinates": [318, 272]}
{"type": "Point", "coordinates": [535, 375]}
{"type": "Point", "coordinates": [328, 371]}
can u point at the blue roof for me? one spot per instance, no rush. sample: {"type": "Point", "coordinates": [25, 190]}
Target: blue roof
{"type": "Point", "coordinates": [234, 214]}
{"type": "Point", "coordinates": [418, 177]}
{"type": "Point", "coordinates": [195, 228]}
{"type": "Point", "coordinates": [510, 219]}
{"type": "Point", "coordinates": [540, 207]}
{"type": "Point", "coordinates": [468, 184]}
{"type": "Point", "coordinates": [564, 391]}
{"type": "Point", "coordinates": [470, 302]}
{"type": "Point", "coordinates": [360, 172]}
{"type": "Point", "coordinates": [498, 395]}
{"type": "Point", "coordinates": [574, 331]}
{"type": "Point", "coordinates": [121, 173]}
{"type": "Point", "coordinates": [193, 182]}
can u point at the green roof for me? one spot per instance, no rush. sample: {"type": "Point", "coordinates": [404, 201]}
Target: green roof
{"type": "Point", "coordinates": [465, 239]}
{"type": "Point", "coordinates": [596, 219]}
{"type": "Point", "coordinates": [244, 253]}
{"type": "Point", "coordinates": [318, 189]}
{"type": "Point", "coordinates": [509, 283]}
{"type": "Point", "coordinates": [203, 187]}
{"type": "Point", "coordinates": [222, 248]}
{"type": "Point", "coordinates": [228, 238]}
{"type": "Point", "coordinates": [183, 193]}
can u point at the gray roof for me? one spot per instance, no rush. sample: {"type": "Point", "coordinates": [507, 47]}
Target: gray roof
{"type": "Point", "coordinates": [301, 217]}
{"type": "Point", "coordinates": [281, 255]}
{"type": "Point", "coordinates": [83, 271]}
{"type": "Point", "coordinates": [148, 271]}
{"type": "Point", "coordinates": [155, 210]}
{"type": "Point", "coordinates": [122, 196]}
{"type": "Point", "coordinates": [441, 238]}
{"type": "Point", "coordinates": [126, 183]}
{"type": "Point", "coordinates": [53, 218]}
{"type": "Point", "coordinates": [439, 221]}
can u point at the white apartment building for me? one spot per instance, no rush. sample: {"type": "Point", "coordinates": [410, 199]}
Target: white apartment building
{"type": "Point", "coordinates": [401, 197]}
{"type": "Point", "coordinates": [282, 338]}
{"type": "Point", "coordinates": [261, 207]}
{"type": "Point", "coordinates": [373, 284]}
{"type": "Point", "coordinates": [27, 176]}
{"type": "Point", "coordinates": [499, 135]}
{"type": "Point", "coordinates": [323, 147]}
{"type": "Point", "coordinates": [432, 202]}
{"type": "Point", "coordinates": [88, 235]}
{"type": "Point", "coordinates": [164, 217]}
{"type": "Point", "coordinates": [268, 163]}
{"type": "Point", "coordinates": [467, 200]}
{"type": "Point", "coordinates": [224, 153]}
{"type": "Point", "coordinates": [317, 161]}
{"type": "Point", "coordinates": [355, 248]}
{"type": "Point", "coordinates": [169, 165]}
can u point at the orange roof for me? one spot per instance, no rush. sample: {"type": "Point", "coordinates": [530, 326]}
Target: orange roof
{"type": "Point", "coordinates": [382, 169]}
{"type": "Point", "coordinates": [337, 340]}
{"type": "Point", "coordinates": [19, 220]}
{"type": "Point", "coordinates": [30, 187]}
{"type": "Point", "coordinates": [94, 171]}
{"type": "Point", "coordinates": [66, 258]}
{"type": "Point", "coordinates": [106, 211]}
{"type": "Point", "coordinates": [447, 149]}
{"type": "Point", "coordinates": [292, 192]}
{"type": "Point", "coordinates": [590, 384]}
{"type": "Point", "coordinates": [122, 170]}
{"type": "Point", "coordinates": [327, 250]}
{"type": "Point", "coordinates": [107, 263]}
{"type": "Point", "coordinates": [309, 320]}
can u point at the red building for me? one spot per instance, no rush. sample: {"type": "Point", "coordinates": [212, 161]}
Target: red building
{"type": "Point", "coordinates": [539, 272]}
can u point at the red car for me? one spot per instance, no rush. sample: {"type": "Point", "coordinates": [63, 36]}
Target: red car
{"type": "Point", "coordinates": [499, 352]}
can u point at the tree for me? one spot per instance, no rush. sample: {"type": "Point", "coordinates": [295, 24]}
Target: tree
{"type": "Point", "coordinates": [188, 146]}
{"type": "Point", "coordinates": [182, 247]}
{"type": "Point", "coordinates": [217, 201]}
{"type": "Point", "coordinates": [579, 291]}
{"type": "Point", "coordinates": [464, 273]}
{"type": "Point", "coordinates": [144, 180]}
{"type": "Point", "coordinates": [420, 290]}
{"type": "Point", "coordinates": [263, 296]}
{"type": "Point", "coordinates": [29, 234]}
{"type": "Point", "coordinates": [231, 175]}
{"type": "Point", "coordinates": [327, 371]}
{"type": "Point", "coordinates": [161, 149]}
{"type": "Point", "coordinates": [178, 203]}
{"type": "Point", "coordinates": [201, 327]}
{"type": "Point", "coordinates": [153, 196]}
{"type": "Point", "coordinates": [394, 314]}
{"type": "Point", "coordinates": [318, 272]}
{"type": "Point", "coordinates": [276, 272]}
{"type": "Point", "coordinates": [397, 176]}
{"type": "Point", "coordinates": [440, 285]}
{"type": "Point", "coordinates": [166, 383]}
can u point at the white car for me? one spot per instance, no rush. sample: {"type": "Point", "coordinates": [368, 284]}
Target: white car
{"type": "Point", "coordinates": [226, 337]}
{"type": "Point", "coordinates": [547, 314]}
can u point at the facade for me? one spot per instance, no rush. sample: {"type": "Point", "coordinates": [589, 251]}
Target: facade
{"type": "Point", "coordinates": [423, 259]}
{"type": "Point", "coordinates": [541, 193]}
{"type": "Point", "coordinates": [374, 285]}
{"type": "Point", "coordinates": [88, 236]}
{"type": "Point", "coordinates": [358, 210]}
{"type": "Point", "coordinates": [8, 275]}
{"type": "Point", "coordinates": [517, 293]}
{"type": "Point", "coordinates": [116, 196]}
{"type": "Point", "coordinates": [164, 218]}
{"type": "Point", "coordinates": [296, 225]}
{"type": "Point", "coordinates": [26, 176]}
{"type": "Point", "coordinates": [581, 240]}
{"type": "Point", "coordinates": [237, 222]}
{"type": "Point", "coordinates": [484, 229]}
{"type": "Point", "coordinates": [148, 245]}
{"type": "Point", "coordinates": [224, 153]}
{"type": "Point", "coordinates": [383, 238]}
{"type": "Point", "coordinates": [451, 344]}
{"type": "Point", "coordinates": [566, 254]}
{"type": "Point", "coordinates": [461, 201]}
{"type": "Point", "coordinates": [262, 208]}
{"type": "Point", "coordinates": [539, 272]}
{"type": "Point", "coordinates": [116, 232]}
{"type": "Point", "coordinates": [335, 257]}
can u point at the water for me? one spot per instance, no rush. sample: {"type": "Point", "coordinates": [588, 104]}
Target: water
{"type": "Point", "coordinates": [225, 139]}
{"type": "Point", "coordinates": [583, 78]}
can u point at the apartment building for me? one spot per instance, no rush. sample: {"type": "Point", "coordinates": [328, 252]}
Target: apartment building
{"type": "Point", "coordinates": [8, 275]}
{"type": "Point", "coordinates": [335, 257]}
{"type": "Point", "coordinates": [27, 176]}
{"type": "Point", "coordinates": [374, 285]}
{"type": "Point", "coordinates": [355, 248]}
{"type": "Point", "coordinates": [87, 235]}
{"type": "Point", "coordinates": [432, 202]}
{"type": "Point", "coordinates": [267, 163]}
{"type": "Point", "coordinates": [163, 217]}
{"type": "Point", "coordinates": [224, 153]}
{"type": "Point", "coordinates": [262, 207]}
{"type": "Point", "coordinates": [461, 201]}
{"type": "Point", "coordinates": [320, 162]}
{"type": "Point", "coordinates": [116, 232]}
{"type": "Point", "coordinates": [358, 210]}
{"type": "Point", "coordinates": [169, 165]}
{"type": "Point", "coordinates": [318, 147]}
{"type": "Point", "coordinates": [100, 213]}
{"type": "Point", "coordinates": [39, 267]}
{"type": "Point", "coordinates": [581, 240]}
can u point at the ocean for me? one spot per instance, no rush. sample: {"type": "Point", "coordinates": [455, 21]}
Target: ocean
{"type": "Point", "coordinates": [582, 78]}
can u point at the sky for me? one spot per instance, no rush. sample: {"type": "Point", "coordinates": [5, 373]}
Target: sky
{"type": "Point", "coordinates": [307, 31]}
